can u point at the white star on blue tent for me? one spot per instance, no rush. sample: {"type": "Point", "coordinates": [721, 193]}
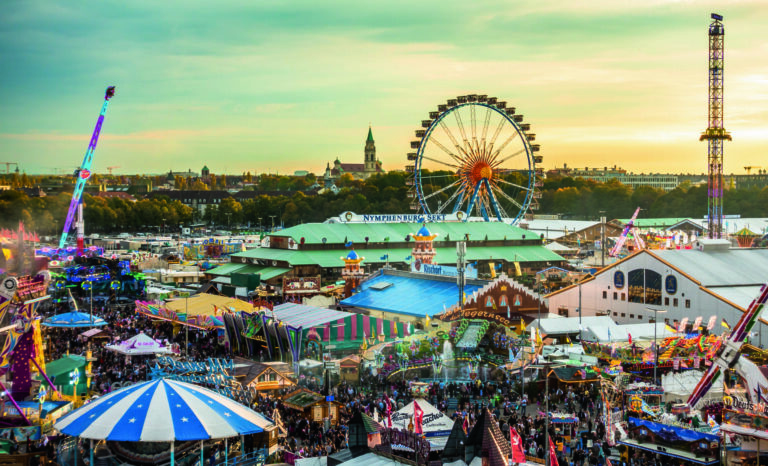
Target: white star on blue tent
{"type": "Point", "coordinates": [195, 413]}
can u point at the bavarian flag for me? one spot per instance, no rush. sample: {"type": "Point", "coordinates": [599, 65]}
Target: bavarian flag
{"type": "Point", "coordinates": [725, 324]}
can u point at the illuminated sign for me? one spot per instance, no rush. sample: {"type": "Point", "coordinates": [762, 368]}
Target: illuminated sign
{"type": "Point", "coordinates": [351, 217]}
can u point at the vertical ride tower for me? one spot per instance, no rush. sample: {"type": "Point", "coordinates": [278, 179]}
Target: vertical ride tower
{"type": "Point", "coordinates": [715, 133]}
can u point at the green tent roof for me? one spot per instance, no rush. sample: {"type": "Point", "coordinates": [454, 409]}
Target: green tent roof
{"type": "Point", "coordinates": [64, 365]}
{"type": "Point", "coordinates": [226, 269]}
{"type": "Point", "coordinates": [746, 232]}
{"type": "Point", "coordinates": [333, 258]}
{"type": "Point", "coordinates": [338, 233]}
{"type": "Point", "coordinates": [655, 222]}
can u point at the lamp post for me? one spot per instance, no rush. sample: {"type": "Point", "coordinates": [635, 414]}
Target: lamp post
{"type": "Point", "coordinates": [547, 368]}
{"type": "Point", "coordinates": [273, 221]}
{"type": "Point", "coordinates": [655, 343]}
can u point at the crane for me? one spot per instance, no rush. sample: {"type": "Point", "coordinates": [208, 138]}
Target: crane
{"type": "Point", "coordinates": [82, 174]}
{"type": "Point", "coordinates": [109, 169]}
{"type": "Point", "coordinates": [8, 166]}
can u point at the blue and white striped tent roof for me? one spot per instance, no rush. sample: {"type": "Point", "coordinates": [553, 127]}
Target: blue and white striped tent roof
{"type": "Point", "coordinates": [162, 410]}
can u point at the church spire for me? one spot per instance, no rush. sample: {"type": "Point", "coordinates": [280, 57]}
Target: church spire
{"type": "Point", "coordinates": [370, 134]}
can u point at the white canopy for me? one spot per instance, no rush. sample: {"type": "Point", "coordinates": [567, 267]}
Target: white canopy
{"type": "Point", "coordinates": [434, 424]}
{"type": "Point", "coordinates": [681, 385]}
{"type": "Point", "coordinates": [139, 345]}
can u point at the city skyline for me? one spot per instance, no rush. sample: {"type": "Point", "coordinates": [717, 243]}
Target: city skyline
{"type": "Point", "coordinates": [275, 87]}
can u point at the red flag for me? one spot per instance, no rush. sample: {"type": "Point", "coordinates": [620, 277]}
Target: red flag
{"type": "Point", "coordinates": [389, 410]}
{"type": "Point", "coordinates": [630, 338]}
{"type": "Point", "coordinates": [552, 454]}
{"type": "Point", "coordinates": [518, 455]}
{"type": "Point", "coordinates": [418, 418]}
{"type": "Point", "coordinates": [465, 425]}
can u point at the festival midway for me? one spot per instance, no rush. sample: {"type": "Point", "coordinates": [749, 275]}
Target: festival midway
{"type": "Point", "coordinates": [469, 305]}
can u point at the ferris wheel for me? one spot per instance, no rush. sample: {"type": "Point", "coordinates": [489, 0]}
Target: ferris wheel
{"type": "Point", "coordinates": [474, 157]}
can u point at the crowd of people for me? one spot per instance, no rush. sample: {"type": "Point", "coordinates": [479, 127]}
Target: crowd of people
{"type": "Point", "coordinates": [463, 401]}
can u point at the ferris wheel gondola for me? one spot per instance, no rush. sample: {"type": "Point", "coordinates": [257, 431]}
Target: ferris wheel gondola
{"type": "Point", "coordinates": [474, 156]}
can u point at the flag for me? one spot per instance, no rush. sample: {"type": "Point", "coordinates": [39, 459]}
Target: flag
{"type": "Point", "coordinates": [538, 337]}
{"type": "Point", "coordinates": [508, 311]}
{"type": "Point", "coordinates": [713, 424]}
{"type": "Point", "coordinates": [418, 418]}
{"type": "Point", "coordinates": [386, 238]}
{"type": "Point", "coordinates": [552, 454]}
{"type": "Point", "coordinates": [712, 321]}
{"type": "Point", "coordinates": [409, 258]}
{"type": "Point", "coordinates": [697, 323]}
{"type": "Point", "coordinates": [725, 324]}
{"type": "Point", "coordinates": [427, 320]}
{"type": "Point", "coordinates": [609, 333]}
{"type": "Point", "coordinates": [518, 455]}
{"type": "Point", "coordinates": [493, 270]}
{"type": "Point", "coordinates": [522, 325]}
{"type": "Point", "coordinates": [465, 425]}
{"type": "Point", "coordinates": [388, 408]}
{"type": "Point", "coordinates": [683, 324]}
{"type": "Point", "coordinates": [348, 244]}
{"type": "Point", "coordinates": [384, 257]}
{"type": "Point", "coordinates": [630, 338]}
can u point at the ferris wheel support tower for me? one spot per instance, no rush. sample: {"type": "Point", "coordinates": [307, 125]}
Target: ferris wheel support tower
{"type": "Point", "coordinates": [715, 133]}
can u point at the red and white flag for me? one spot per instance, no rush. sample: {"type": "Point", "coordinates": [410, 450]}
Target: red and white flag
{"type": "Point", "coordinates": [552, 454]}
{"type": "Point", "coordinates": [418, 419]}
{"type": "Point", "coordinates": [697, 323]}
{"type": "Point", "coordinates": [712, 322]}
{"type": "Point", "coordinates": [518, 455]}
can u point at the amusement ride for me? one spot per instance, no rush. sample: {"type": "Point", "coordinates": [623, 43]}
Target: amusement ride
{"type": "Point", "coordinates": [475, 157]}
{"type": "Point", "coordinates": [82, 174]}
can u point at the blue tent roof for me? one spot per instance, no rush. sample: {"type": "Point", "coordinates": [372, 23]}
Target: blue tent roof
{"type": "Point", "coordinates": [408, 294]}
{"type": "Point", "coordinates": [73, 320]}
{"type": "Point", "coordinates": [352, 255]}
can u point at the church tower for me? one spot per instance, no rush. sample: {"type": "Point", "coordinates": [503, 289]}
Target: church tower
{"type": "Point", "coordinates": [370, 155]}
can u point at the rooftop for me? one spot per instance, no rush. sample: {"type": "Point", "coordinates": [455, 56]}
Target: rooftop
{"type": "Point", "coordinates": [409, 293]}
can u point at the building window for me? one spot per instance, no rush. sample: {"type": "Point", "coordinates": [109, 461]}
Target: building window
{"type": "Point", "coordinates": [631, 316]}
{"type": "Point", "coordinates": [639, 317]}
{"type": "Point", "coordinates": [563, 311]}
{"type": "Point", "coordinates": [605, 295]}
{"type": "Point", "coordinates": [615, 296]}
{"type": "Point", "coordinates": [674, 302]}
{"type": "Point", "coordinates": [687, 303]}
{"type": "Point", "coordinates": [615, 313]}
{"type": "Point", "coordinates": [623, 297]}
{"type": "Point", "coordinates": [666, 301]}
{"type": "Point", "coordinates": [666, 321]}
{"type": "Point", "coordinates": [623, 315]}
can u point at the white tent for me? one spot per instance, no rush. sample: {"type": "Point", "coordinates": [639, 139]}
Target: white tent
{"type": "Point", "coordinates": [434, 423]}
{"type": "Point", "coordinates": [140, 344]}
{"type": "Point", "coordinates": [680, 386]}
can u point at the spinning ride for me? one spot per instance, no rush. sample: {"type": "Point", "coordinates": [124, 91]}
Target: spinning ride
{"type": "Point", "coordinates": [474, 157]}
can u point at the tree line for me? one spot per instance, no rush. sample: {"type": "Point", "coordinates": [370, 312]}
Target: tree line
{"type": "Point", "coordinates": [574, 198]}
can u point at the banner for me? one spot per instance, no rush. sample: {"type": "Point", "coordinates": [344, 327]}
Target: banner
{"type": "Point", "coordinates": [552, 454]}
{"type": "Point", "coordinates": [682, 325]}
{"type": "Point", "coordinates": [518, 455]}
{"type": "Point", "coordinates": [418, 418]}
{"type": "Point", "coordinates": [697, 323]}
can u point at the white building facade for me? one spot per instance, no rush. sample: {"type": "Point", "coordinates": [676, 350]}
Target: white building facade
{"type": "Point", "coordinates": [712, 280]}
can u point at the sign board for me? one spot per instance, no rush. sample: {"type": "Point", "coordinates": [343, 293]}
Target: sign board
{"type": "Point", "coordinates": [443, 270]}
{"type": "Point", "coordinates": [330, 366]}
{"type": "Point", "coordinates": [329, 398]}
{"type": "Point", "coordinates": [351, 217]}
{"type": "Point", "coordinates": [330, 347]}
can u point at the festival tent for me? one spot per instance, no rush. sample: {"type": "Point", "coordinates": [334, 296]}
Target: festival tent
{"type": "Point", "coordinates": [162, 410]}
{"type": "Point", "coordinates": [62, 374]}
{"type": "Point", "coordinates": [435, 424]}
{"type": "Point", "coordinates": [679, 386]}
{"type": "Point", "coordinates": [73, 320]}
{"type": "Point", "coordinates": [139, 345]}
{"type": "Point", "coordinates": [202, 310]}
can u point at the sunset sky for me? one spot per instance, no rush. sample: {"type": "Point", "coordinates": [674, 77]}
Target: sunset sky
{"type": "Point", "coordinates": [282, 85]}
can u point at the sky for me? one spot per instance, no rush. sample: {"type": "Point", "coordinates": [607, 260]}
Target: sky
{"type": "Point", "coordinates": [281, 85]}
